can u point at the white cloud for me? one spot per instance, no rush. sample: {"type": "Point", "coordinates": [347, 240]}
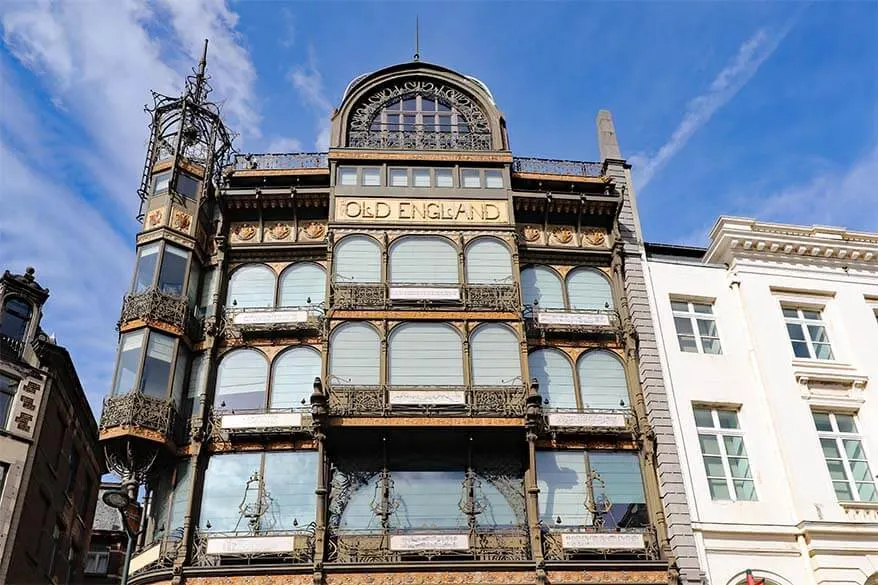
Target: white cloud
{"type": "Point", "coordinates": [282, 144]}
{"type": "Point", "coordinates": [728, 82]}
{"type": "Point", "coordinates": [309, 83]}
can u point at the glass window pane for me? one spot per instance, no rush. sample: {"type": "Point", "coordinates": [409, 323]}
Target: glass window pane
{"type": "Point", "coordinates": [251, 286]}
{"type": "Point", "coordinates": [428, 104]}
{"type": "Point", "coordinates": [157, 366]}
{"type": "Point", "coordinates": [713, 466]}
{"type": "Point", "coordinates": [739, 467]}
{"type": "Point", "coordinates": [589, 289]}
{"type": "Point", "coordinates": [728, 419]}
{"type": "Point", "coordinates": [687, 344]}
{"type": "Point", "coordinates": [845, 423]}
{"type": "Point", "coordinates": [821, 421]}
{"type": "Point", "coordinates": [795, 331]}
{"type": "Point", "coordinates": [602, 380]}
{"type": "Point", "coordinates": [353, 355]}
{"type": "Point", "coordinates": [812, 315]}
{"type": "Point", "coordinates": [399, 178]}
{"type": "Point", "coordinates": [180, 371]}
{"type": "Point", "coordinates": [301, 285]}
{"type": "Point", "coordinates": [818, 333]}
{"type": "Point", "coordinates": [408, 265]}
{"type": "Point", "coordinates": [347, 175]}
{"type": "Point", "coordinates": [822, 351]}
{"type": "Point", "coordinates": [495, 356]}
{"type": "Point", "coordinates": [684, 326]}
{"type": "Point", "coordinates": [290, 480]}
{"type": "Point", "coordinates": [561, 479]}
{"type": "Point", "coordinates": [734, 446]}
{"type": "Point", "coordinates": [745, 490]}
{"type": "Point", "coordinates": [425, 354]}
{"type": "Point", "coordinates": [187, 186]}
{"type": "Point", "coordinates": [703, 417]}
{"type": "Point", "coordinates": [860, 471]}
{"type": "Point", "coordinates": [358, 513]}
{"type": "Point", "coordinates": [428, 499]}
{"type": "Point", "coordinates": [867, 492]}
{"type": "Point", "coordinates": [680, 306]}
{"type": "Point", "coordinates": [842, 491]}
{"type": "Point", "coordinates": [488, 261]}
{"type": "Point", "coordinates": [702, 308]}
{"type": "Point", "coordinates": [709, 444]}
{"type": "Point", "coordinates": [371, 177]}
{"type": "Point", "coordinates": [129, 361]}
{"type": "Point", "coordinates": [707, 327]}
{"type": "Point", "coordinates": [161, 182]}
{"type": "Point", "coordinates": [443, 178]}
{"type": "Point", "coordinates": [293, 376]}
{"type": "Point", "coordinates": [146, 263]}
{"type": "Point", "coordinates": [836, 469]}
{"type": "Point", "coordinates": [554, 374]}
{"type": "Point", "coordinates": [409, 104]}
{"type": "Point", "coordinates": [830, 449]}
{"type": "Point", "coordinates": [711, 345]}
{"type": "Point", "coordinates": [793, 313]}
{"type": "Point", "coordinates": [471, 178]}
{"type": "Point", "coordinates": [357, 259]}
{"type": "Point", "coordinates": [854, 449]}
{"type": "Point", "coordinates": [719, 490]}
{"type": "Point", "coordinates": [493, 179]}
{"type": "Point", "coordinates": [173, 271]}
{"type": "Point", "coordinates": [541, 285]}
{"type": "Point", "coordinates": [800, 349]}
{"type": "Point", "coordinates": [421, 177]}
{"type": "Point", "coordinates": [241, 380]}
{"type": "Point", "coordinates": [226, 488]}
{"type": "Point", "coordinates": [620, 482]}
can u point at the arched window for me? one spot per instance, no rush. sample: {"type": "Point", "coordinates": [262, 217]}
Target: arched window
{"type": "Point", "coordinates": [425, 354]}
{"type": "Point", "coordinates": [354, 355]}
{"type": "Point", "coordinates": [541, 284]}
{"type": "Point", "coordinates": [241, 380]}
{"type": "Point", "coordinates": [292, 377]}
{"type": "Point", "coordinates": [495, 356]}
{"type": "Point", "coordinates": [423, 260]}
{"type": "Point", "coordinates": [15, 319]}
{"type": "Point", "coordinates": [357, 259]}
{"type": "Point", "coordinates": [602, 380]}
{"type": "Point", "coordinates": [488, 262]}
{"type": "Point", "coordinates": [588, 288]}
{"type": "Point", "coordinates": [554, 374]}
{"type": "Point", "coordinates": [251, 286]}
{"type": "Point", "coordinates": [302, 284]}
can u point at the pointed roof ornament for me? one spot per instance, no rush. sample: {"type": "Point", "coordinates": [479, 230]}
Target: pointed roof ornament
{"type": "Point", "coordinates": [417, 56]}
{"type": "Point", "coordinates": [196, 85]}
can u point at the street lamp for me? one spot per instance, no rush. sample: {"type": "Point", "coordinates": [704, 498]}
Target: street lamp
{"type": "Point", "coordinates": [128, 510]}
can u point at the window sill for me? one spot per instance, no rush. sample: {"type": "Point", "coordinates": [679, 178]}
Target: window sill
{"type": "Point", "coordinates": [825, 365]}
{"type": "Point", "coordinates": [859, 505]}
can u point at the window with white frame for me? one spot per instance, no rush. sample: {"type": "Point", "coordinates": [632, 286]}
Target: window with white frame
{"type": "Point", "coordinates": [347, 175]}
{"type": "Point", "coordinates": [471, 178]}
{"type": "Point", "coordinates": [696, 327]}
{"type": "Point", "coordinates": [444, 178]}
{"type": "Point", "coordinates": [725, 458]}
{"type": "Point", "coordinates": [399, 177]}
{"type": "Point", "coordinates": [8, 387]}
{"type": "Point", "coordinates": [371, 177]}
{"type": "Point", "coordinates": [807, 333]}
{"type": "Point", "coordinates": [421, 177]}
{"type": "Point", "coordinates": [842, 447]}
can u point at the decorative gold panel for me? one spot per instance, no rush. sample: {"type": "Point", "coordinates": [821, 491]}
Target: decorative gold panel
{"type": "Point", "coordinates": [563, 236]}
{"type": "Point", "coordinates": [421, 211]}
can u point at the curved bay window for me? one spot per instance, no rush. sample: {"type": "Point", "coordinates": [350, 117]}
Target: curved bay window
{"type": "Point", "coordinates": [584, 288]}
{"type": "Point", "coordinates": [599, 383]}
{"type": "Point", "coordinates": [162, 266]}
{"type": "Point", "coordinates": [250, 494]}
{"type": "Point", "coordinates": [591, 489]}
{"type": "Point", "coordinates": [151, 363]}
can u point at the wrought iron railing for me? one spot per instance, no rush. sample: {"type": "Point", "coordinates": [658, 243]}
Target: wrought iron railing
{"type": "Point", "coordinates": [419, 140]}
{"type": "Point", "coordinates": [540, 321]}
{"type": "Point", "coordinates": [226, 424]}
{"type": "Point", "coordinates": [11, 348]}
{"type": "Point", "coordinates": [481, 544]}
{"type": "Point", "coordinates": [590, 420]}
{"type": "Point", "coordinates": [600, 543]}
{"type": "Point", "coordinates": [244, 322]}
{"type": "Point", "coordinates": [155, 305]}
{"type": "Point", "coordinates": [217, 548]}
{"type": "Point", "coordinates": [457, 401]}
{"type": "Point", "coordinates": [291, 161]}
{"type": "Point", "coordinates": [546, 166]}
{"type": "Point", "coordinates": [477, 297]}
{"type": "Point", "coordinates": [160, 554]}
{"type": "Point", "coordinates": [137, 410]}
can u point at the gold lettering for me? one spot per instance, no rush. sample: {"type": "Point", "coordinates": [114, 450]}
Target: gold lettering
{"type": "Point", "coordinates": [477, 211]}
{"type": "Point", "coordinates": [405, 210]}
{"type": "Point", "coordinates": [495, 212]}
{"type": "Point", "coordinates": [368, 210]}
{"type": "Point", "coordinates": [461, 211]}
{"type": "Point", "coordinates": [352, 209]}
{"type": "Point", "coordinates": [425, 210]}
{"type": "Point", "coordinates": [382, 210]}
{"type": "Point", "coordinates": [434, 211]}
{"type": "Point", "coordinates": [418, 209]}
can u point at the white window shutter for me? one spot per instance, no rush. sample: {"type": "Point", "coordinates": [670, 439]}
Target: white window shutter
{"type": "Point", "coordinates": [495, 356]}
{"type": "Point", "coordinates": [423, 260]}
{"type": "Point", "coordinates": [357, 259]}
{"type": "Point", "coordinates": [354, 355]}
{"type": "Point", "coordinates": [293, 374]}
{"type": "Point", "coordinates": [301, 282]}
{"type": "Point", "coordinates": [589, 289]}
{"type": "Point", "coordinates": [251, 286]}
{"type": "Point", "coordinates": [425, 354]}
{"type": "Point", "coordinates": [554, 374]}
{"type": "Point", "coordinates": [488, 261]}
{"type": "Point", "coordinates": [539, 283]}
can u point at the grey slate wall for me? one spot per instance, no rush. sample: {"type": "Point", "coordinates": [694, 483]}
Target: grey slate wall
{"type": "Point", "coordinates": [667, 464]}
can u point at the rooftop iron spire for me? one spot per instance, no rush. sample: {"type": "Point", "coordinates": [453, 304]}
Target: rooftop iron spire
{"type": "Point", "coordinates": [201, 75]}
{"type": "Point", "coordinates": [417, 40]}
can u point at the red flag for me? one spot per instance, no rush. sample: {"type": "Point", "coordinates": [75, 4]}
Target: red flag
{"type": "Point", "coordinates": [751, 580]}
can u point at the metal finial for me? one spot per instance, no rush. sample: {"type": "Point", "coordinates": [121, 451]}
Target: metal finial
{"type": "Point", "coordinates": [417, 39]}
{"type": "Point", "coordinates": [202, 68]}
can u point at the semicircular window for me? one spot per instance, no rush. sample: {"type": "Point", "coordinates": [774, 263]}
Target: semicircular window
{"type": "Point", "coordinates": [241, 380]}
{"type": "Point", "coordinates": [419, 116]}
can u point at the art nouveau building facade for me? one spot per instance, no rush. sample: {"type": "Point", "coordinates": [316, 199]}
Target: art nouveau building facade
{"type": "Point", "coordinates": [415, 356]}
{"type": "Point", "coordinates": [769, 351]}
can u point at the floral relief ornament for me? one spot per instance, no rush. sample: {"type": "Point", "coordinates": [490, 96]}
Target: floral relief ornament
{"type": "Point", "coordinates": [154, 217]}
{"type": "Point", "coordinates": [563, 234]}
{"type": "Point", "coordinates": [530, 233]}
{"type": "Point", "coordinates": [595, 237]}
{"type": "Point", "coordinates": [245, 231]}
{"type": "Point", "coordinates": [182, 221]}
{"type": "Point", "coordinates": [315, 230]}
{"type": "Point", "coordinates": [279, 231]}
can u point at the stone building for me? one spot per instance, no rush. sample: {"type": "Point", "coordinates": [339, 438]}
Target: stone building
{"type": "Point", "coordinates": [49, 470]}
{"type": "Point", "coordinates": [770, 337]}
{"type": "Point", "coordinates": [415, 358]}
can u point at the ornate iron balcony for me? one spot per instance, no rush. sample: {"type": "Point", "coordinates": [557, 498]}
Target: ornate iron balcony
{"type": "Point", "coordinates": [608, 421]}
{"type": "Point", "coordinates": [545, 166]}
{"type": "Point", "coordinates": [154, 305]}
{"type": "Point", "coordinates": [269, 547]}
{"type": "Point", "coordinates": [541, 321]}
{"type": "Point", "coordinates": [478, 297]}
{"type": "Point", "coordinates": [10, 347]}
{"type": "Point", "coordinates": [453, 401]}
{"type": "Point", "coordinates": [291, 161]}
{"type": "Point", "coordinates": [481, 544]}
{"type": "Point", "coordinates": [600, 543]}
{"type": "Point", "coordinates": [136, 410]}
{"type": "Point", "coordinates": [161, 554]}
{"type": "Point", "coordinates": [268, 321]}
{"type": "Point", "coordinates": [418, 139]}
{"type": "Point", "coordinates": [232, 424]}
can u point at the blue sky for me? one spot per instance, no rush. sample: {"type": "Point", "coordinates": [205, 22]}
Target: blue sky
{"type": "Point", "coordinates": [768, 110]}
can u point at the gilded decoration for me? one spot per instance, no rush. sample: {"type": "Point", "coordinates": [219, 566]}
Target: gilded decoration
{"type": "Point", "coordinates": [314, 230]}
{"type": "Point", "coordinates": [278, 232]}
{"type": "Point", "coordinates": [181, 221]}
{"type": "Point", "coordinates": [243, 232]}
{"type": "Point", "coordinates": [432, 211]}
{"type": "Point", "coordinates": [594, 237]}
{"type": "Point", "coordinates": [563, 235]}
{"type": "Point", "coordinates": [531, 233]}
{"type": "Point", "coordinates": [155, 217]}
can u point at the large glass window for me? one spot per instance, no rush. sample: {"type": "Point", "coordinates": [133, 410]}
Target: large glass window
{"type": "Point", "coordinates": [156, 374]}
{"type": "Point", "coordinates": [493, 179]}
{"type": "Point", "coordinates": [725, 458]}
{"type": "Point", "coordinates": [421, 114]}
{"type": "Point", "coordinates": [173, 272]}
{"type": "Point", "coordinates": [399, 177]}
{"type": "Point", "coordinates": [425, 354]}
{"type": "Point", "coordinates": [171, 263]}
{"type": "Point", "coordinates": [255, 493]}
{"type": "Point", "coordinates": [423, 260]}
{"type": "Point", "coordinates": [357, 259]}
{"type": "Point", "coordinates": [696, 327]}
{"type": "Point", "coordinates": [354, 355]}
{"type": "Point", "coordinates": [554, 374]}
{"type": "Point", "coordinates": [807, 333]}
{"type": "Point", "coordinates": [241, 380]}
{"type": "Point", "coordinates": [843, 451]}
{"type": "Point", "coordinates": [128, 362]}
{"type": "Point", "coordinates": [347, 176]}
{"type": "Point", "coordinates": [445, 178]}
{"type": "Point", "coordinates": [292, 377]}
{"type": "Point", "coordinates": [147, 260]}
{"type": "Point", "coordinates": [302, 284]}
{"type": "Point", "coordinates": [15, 319]}
{"type": "Point", "coordinates": [488, 261]}
{"type": "Point", "coordinates": [8, 386]}
{"type": "Point", "coordinates": [602, 380]}
{"type": "Point", "coordinates": [588, 288]}
{"type": "Point", "coordinates": [421, 177]}
{"type": "Point", "coordinates": [608, 482]}
{"type": "Point", "coordinates": [371, 177]}
{"type": "Point", "coordinates": [251, 286]}
{"type": "Point", "coordinates": [541, 285]}
{"type": "Point", "coordinates": [187, 186]}
{"type": "Point", "coordinates": [470, 178]}
{"type": "Point", "coordinates": [495, 357]}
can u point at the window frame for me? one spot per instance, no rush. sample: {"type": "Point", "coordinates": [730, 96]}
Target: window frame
{"type": "Point", "coordinates": [719, 433]}
{"type": "Point", "coordinates": [494, 172]}
{"type": "Point", "coordinates": [362, 176]}
{"type": "Point", "coordinates": [157, 270]}
{"type": "Point", "coordinates": [693, 316]}
{"type": "Point", "coordinates": [28, 320]}
{"type": "Point", "coordinates": [472, 172]}
{"type": "Point", "coordinates": [10, 390]}
{"type": "Point", "coordinates": [340, 171]}
{"type": "Point", "coordinates": [800, 321]}
{"type": "Point", "coordinates": [839, 437]}
{"type": "Point", "coordinates": [399, 171]}
{"type": "Point", "coordinates": [138, 376]}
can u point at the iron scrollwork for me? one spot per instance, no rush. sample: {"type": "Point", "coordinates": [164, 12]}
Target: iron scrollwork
{"type": "Point", "coordinates": [251, 325]}
{"type": "Point", "coordinates": [135, 409]}
{"type": "Point", "coordinates": [492, 401]}
{"type": "Point", "coordinates": [296, 160]}
{"type": "Point", "coordinates": [155, 305]}
{"type": "Point", "coordinates": [302, 549]}
{"type": "Point", "coordinates": [557, 167]}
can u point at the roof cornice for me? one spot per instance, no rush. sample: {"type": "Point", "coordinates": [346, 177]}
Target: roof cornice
{"type": "Point", "coordinates": [735, 237]}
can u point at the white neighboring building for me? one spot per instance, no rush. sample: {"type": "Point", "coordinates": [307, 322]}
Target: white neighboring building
{"type": "Point", "coordinates": [770, 357]}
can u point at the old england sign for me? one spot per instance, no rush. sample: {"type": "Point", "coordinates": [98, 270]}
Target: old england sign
{"type": "Point", "coordinates": [358, 209]}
